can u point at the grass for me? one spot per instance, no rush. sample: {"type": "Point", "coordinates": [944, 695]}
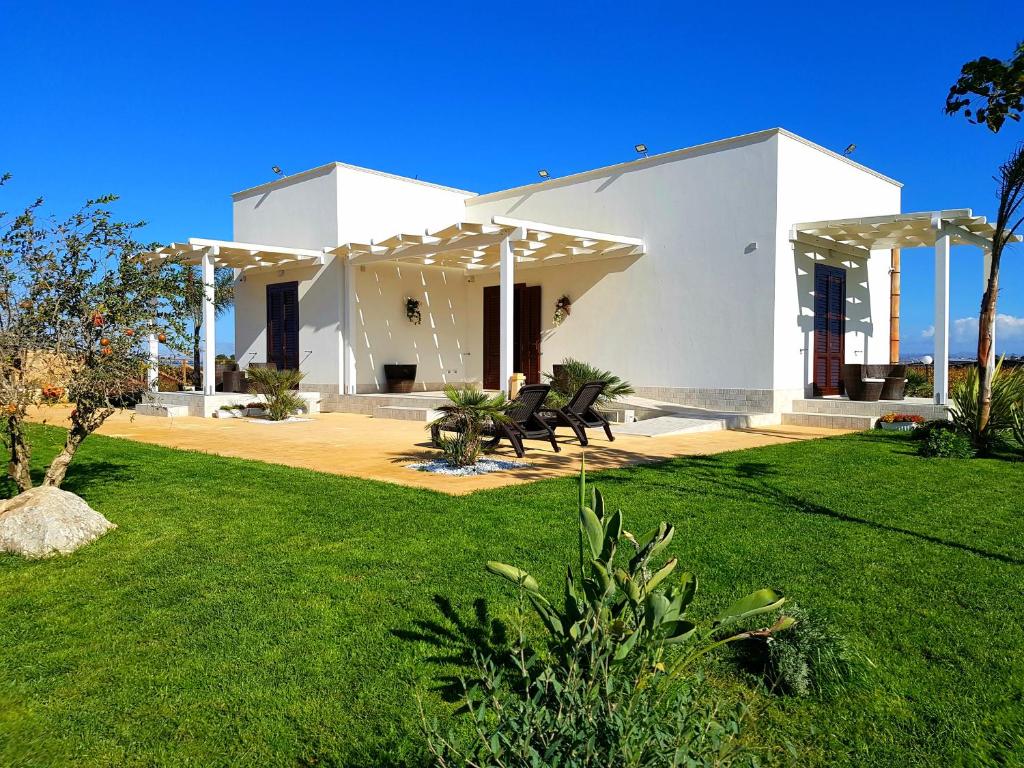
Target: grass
{"type": "Point", "coordinates": [249, 614]}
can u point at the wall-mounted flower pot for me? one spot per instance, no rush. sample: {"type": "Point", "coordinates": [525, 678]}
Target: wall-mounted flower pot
{"type": "Point", "coordinates": [399, 378]}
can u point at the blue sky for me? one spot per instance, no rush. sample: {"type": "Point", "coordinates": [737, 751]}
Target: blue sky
{"type": "Point", "coordinates": [174, 106]}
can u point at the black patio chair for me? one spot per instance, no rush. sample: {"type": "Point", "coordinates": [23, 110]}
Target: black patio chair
{"type": "Point", "coordinates": [579, 413]}
{"type": "Point", "coordinates": [523, 422]}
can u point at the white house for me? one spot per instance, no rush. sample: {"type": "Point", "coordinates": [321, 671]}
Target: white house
{"type": "Point", "coordinates": [736, 275]}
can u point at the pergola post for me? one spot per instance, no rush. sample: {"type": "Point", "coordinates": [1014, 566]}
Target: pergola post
{"type": "Point", "coordinates": [506, 291]}
{"type": "Point", "coordinates": [348, 350]}
{"type": "Point", "coordinates": [209, 323]}
{"type": "Point", "coordinates": [941, 338]}
{"type": "Point", "coordinates": [153, 370]}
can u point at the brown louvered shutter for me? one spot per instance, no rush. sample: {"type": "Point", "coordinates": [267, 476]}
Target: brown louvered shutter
{"type": "Point", "coordinates": [283, 325]}
{"type": "Point", "coordinates": [492, 337]}
{"type": "Point", "coordinates": [829, 328]}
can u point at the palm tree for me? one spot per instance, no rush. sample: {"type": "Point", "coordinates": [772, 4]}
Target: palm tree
{"type": "Point", "coordinates": [469, 414]}
{"type": "Point", "coordinates": [573, 374]}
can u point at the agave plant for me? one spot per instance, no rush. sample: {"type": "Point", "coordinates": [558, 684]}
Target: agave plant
{"type": "Point", "coordinates": [278, 389]}
{"type": "Point", "coordinates": [639, 603]}
{"type": "Point", "coordinates": [468, 415]}
{"type": "Point", "coordinates": [1007, 394]}
{"type": "Point", "coordinates": [1018, 423]}
{"type": "Point", "coordinates": [574, 373]}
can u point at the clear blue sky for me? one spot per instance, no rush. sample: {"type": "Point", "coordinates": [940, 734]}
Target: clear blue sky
{"type": "Point", "coordinates": [174, 106]}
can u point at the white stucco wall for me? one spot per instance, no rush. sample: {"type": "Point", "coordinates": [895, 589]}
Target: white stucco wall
{"type": "Point", "coordinates": [692, 312]}
{"type": "Point", "coordinates": [814, 186]}
{"type": "Point", "coordinates": [296, 212]}
{"type": "Point", "coordinates": [322, 208]}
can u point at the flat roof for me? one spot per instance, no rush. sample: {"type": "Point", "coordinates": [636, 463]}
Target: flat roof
{"type": "Point", "coordinates": [327, 167]}
{"type": "Point", "coordinates": [712, 146]}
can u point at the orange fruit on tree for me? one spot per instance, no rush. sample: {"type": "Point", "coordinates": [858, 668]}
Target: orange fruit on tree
{"type": "Point", "coordinates": [104, 342]}
{"type": "Point", "coordinates": [12, 408]}
{"type": "Point", "coordinates": [161, 337]}
{"type": "Point", "coordinates": [107, 351]}
{"type": "Point", "coordinates": [129, 331]}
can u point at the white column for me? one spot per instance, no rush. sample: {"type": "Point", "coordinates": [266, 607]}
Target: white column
{"type": "Point", "coordinates": [209, 324]}
{"type": "Point", "coordinates": [506, 291]}
{"type": "Point", "coordinates": [153, 371]}
{"type": "Point", "coordinates": [941, 353]}
{"type": "Point", "coordinates": [988, 271]}
{"type": "Point", "coordinates": [349, 318]}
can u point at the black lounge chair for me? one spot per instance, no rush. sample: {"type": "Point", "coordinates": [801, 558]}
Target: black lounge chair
{"type": "Point", "coordinates": [524, 422]}
{"type": "Point", "coordinates": [579, 414]}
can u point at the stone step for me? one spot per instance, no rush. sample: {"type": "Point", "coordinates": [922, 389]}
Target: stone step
{"type": "Point", "coordinates": [157, 409]}
{"type": "Point", "coordinates": [406, 413]}
{"type": "Point", "coordinates": [829, 420]}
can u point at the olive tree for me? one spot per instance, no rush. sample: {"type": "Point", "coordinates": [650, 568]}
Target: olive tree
{"type": "Point", "coordinates": [75, 303]}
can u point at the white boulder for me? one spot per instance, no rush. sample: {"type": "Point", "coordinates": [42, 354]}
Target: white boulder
{"type": "Point", "coordinates": [46, 521]}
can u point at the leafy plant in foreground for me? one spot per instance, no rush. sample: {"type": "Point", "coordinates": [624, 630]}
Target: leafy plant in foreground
{"type": "Point", "coordinates": [612, 684]}
{"type": "Point", "coordinates": [810, 659]}
{"type": "Point", "coordinates": [278, 389]}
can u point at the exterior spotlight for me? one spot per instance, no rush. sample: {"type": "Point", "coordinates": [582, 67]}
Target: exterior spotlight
{"type": "Point", "coordinates": [849, 150]}
{"type": "Point", "coordinates": [276, 169]}
{"type": "Point", "coordinates": [641, 149]}
{"type": "Point", "coordinates": [543, 173]}
{"type": "Point", "coordinates": [927, 360]}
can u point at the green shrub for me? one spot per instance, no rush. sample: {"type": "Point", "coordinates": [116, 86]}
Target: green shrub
{"type": "Point", "coordinates": [935, 425]}
{"type": "Point", "coordinates": [810, 659]}
{"type": "Point", "coordinates": [1007, 392]}
{"type": "Point", "coordinates": [1018, 424]}
{"type": "Point", "coordinates": [574, 374]}
{"type": "Point", "coordinates": [467, 416]}
{"type": "Point", "coordinates": [918, 383]}
{"type": "Point", "coordinates": [946, 444]}
{"type": "Point", "coordinates": [611, 683]}
{"type": "Point", "coordinates": [278, 388]}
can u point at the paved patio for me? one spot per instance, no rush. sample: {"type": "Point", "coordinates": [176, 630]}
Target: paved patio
{"type": "Point", "coordinates": [380, 449]}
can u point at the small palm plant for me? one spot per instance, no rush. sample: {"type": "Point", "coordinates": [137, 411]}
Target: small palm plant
{"type": "Point", "coordinates": [469, 413]}
{"type": "Point", "coordinates": [573, 374]}
{"type": "Point", "coordinates": [278, 388]}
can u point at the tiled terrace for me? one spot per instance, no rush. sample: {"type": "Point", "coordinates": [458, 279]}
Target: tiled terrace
{"type": "Point", "coordinates": [379, 449]}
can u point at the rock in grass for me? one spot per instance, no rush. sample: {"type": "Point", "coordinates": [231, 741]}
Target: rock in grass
{"type": "Point", "coordinates": [46, 521]}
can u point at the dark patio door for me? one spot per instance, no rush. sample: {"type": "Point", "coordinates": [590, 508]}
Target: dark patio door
{"type": "Point", "coordinates": [829, 328]}
{"type": "Point", "coordinates": [283, 325]}
{"type": "Point", "coordinates": [526, 334]}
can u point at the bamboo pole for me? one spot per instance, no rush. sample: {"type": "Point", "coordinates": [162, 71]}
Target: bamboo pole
{"type": "Point", "coordinates": [894, 307]}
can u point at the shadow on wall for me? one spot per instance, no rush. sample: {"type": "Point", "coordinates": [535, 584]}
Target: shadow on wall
{"type": "Point", "coordinates": [385, 334]}
{"type": "Point", "coordinates": [859, 326]}
{"type": "Point", "coordinates": [251, 308]}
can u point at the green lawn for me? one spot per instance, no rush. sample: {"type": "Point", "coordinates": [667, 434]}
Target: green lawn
{"type": "Point", "coordinates": [248, 614]}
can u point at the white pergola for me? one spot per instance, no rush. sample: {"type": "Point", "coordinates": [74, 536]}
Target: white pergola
{"type": "Point", "coordinates": [939, 229]}
{"type": "Point", "coordinates": [505, 245]}
{"type": "Point", "coordinates": [210, 254]}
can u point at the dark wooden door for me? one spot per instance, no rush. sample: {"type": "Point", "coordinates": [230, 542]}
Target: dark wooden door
{"type": "Point", "coordinates": [829, 328]}
{"type": "Point", "coordinates": [526, 334]}
{"type": "Point", "coordinates": [283, 325]}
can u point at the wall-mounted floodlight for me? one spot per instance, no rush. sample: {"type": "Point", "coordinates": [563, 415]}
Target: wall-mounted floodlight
{"type": "Point", "coordinates": [276, 169]}
{"type": "Point", "coordinates": [543, 173]}
{"type": "Point", "coordinates": [849, 150]}
{"type": "Point", "coordinates": [641, 149]}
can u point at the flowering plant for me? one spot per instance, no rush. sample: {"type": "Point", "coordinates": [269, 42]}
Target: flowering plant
{"type": "Point", "coordinates": [412, 311]}
{"type": "Point", "coordinates": [563, 308]}
{"type": "Point", "coordinates": [892, 418]}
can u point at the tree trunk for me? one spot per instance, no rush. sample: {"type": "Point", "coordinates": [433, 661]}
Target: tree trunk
{"type": "Point", "coordinates": [197, 374]}
{"type": "Point", "coordinates": [21, 452]}
{"type": "Point", "coordinates": [986, 333]}
{"type": "Point", "coordinates": [78, 432]}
